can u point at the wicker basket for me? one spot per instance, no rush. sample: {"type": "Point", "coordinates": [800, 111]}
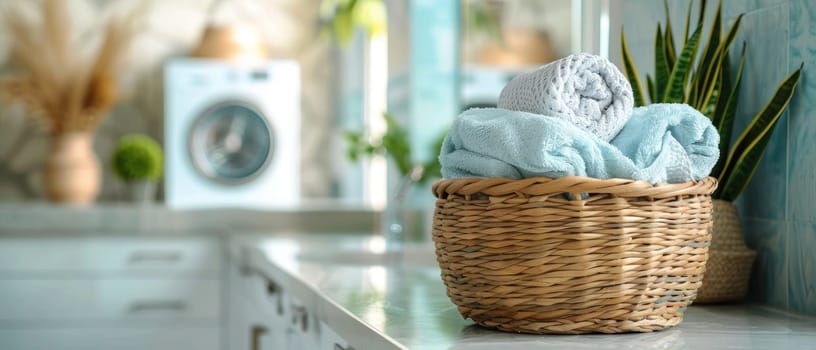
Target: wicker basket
{"type": "Point", "coordinates": [626, 256]}
{"type": "Point", "coordinates": [728, 269]}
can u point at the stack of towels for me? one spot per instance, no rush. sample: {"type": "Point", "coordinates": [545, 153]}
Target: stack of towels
{"type": "Point", "coordinates": [574, 116]}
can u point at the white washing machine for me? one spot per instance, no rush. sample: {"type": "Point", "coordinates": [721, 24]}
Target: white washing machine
{"type": "Point", "coordinates": [232, 134]}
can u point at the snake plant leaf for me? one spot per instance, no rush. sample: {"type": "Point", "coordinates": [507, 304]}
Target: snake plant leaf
{"type": "Point", "coordinates": [671, 55]}
{"type": "Point", "coordinates": [710, 105]}
{"type": "Point", "coordinates": [711, 49]}
{"type": "Point", "coordinates": [708, 94]}
{"type": "Point", "coordinates": [724, 121]}
{"type": "Point", "coordinates": [675, 87]}
{"type": "Point", "coordinates": [686, 28]}
{"type": "Point", "coordinates": [661, 65]}
{"type": "Point", "coordinates": [747, 151]}
{"type": "Point", "coordinates": [732, 189]}
{"type": "Point", "coordinates": [631, 72]}
{"type": "Point", "coordinates": [651, 89]}
{"type": "Point", "coordinates": [724, 87]}
{"type": "Point", "coordinates": [711, 76]}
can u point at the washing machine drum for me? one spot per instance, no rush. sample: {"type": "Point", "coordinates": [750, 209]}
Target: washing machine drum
{"type": "Point", "coordinates": [231, 143]}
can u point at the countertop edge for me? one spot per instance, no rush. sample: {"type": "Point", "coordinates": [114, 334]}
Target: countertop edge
{"type": "Point", "coordinates": [343, 322]}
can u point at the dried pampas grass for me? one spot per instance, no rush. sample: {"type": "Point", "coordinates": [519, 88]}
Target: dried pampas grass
{"type": "Point", "coordinates": [71, 92]}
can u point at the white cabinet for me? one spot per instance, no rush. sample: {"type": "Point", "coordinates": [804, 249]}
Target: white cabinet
{"type": "Point", "coordinates": [329, 340]}
{"type": "Point", "coordinates": [110, 339]}
{"type": "Point", "coordinates": [265, 314]}
{"type": "Point", "coordinates": [100, 255]}
{"type": "Point", "coordinates": [107, 299]}
{"type": "Point", "coordinates": [257, 313]}
{"type": "Point", "coordinates": [106, 292]}
{"type": "Point", "coordinates": [258, 309]}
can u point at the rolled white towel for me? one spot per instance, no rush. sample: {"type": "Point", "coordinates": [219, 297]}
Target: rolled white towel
{"type": "Point", "coordinates": [585, 90]}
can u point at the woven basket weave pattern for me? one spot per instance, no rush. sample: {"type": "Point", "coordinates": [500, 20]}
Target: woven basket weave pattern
{"type": "Point", "coordinates": [517, 255]}
{"type": "Point", "coordinates": [728, 270]}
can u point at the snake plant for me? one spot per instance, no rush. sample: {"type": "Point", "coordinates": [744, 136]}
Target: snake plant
{"type": "Point", "coordinates": [703, 79]}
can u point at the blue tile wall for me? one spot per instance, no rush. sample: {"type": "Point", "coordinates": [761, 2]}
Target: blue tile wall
{"type": "Point", "coordinates": [802, 267]}
{"type": "Point", "coordinates": [778, 208]}
{"type": "Point", "coordinates": [802, 125]}
{"type": "Point", "coordinates": [770, 270]}
{"type": "Point", "coordinates": [766, 64]}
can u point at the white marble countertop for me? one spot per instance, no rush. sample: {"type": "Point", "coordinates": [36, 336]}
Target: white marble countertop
{"type": "Point", "coordinates": [381, 302]}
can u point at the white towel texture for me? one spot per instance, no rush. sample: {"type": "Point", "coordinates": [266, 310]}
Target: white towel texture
{"type": "Point", "coordinates": [585, 90]}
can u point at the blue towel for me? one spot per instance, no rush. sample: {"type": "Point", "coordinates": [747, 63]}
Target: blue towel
{"type": "Point", "coordinates": [494, 142]}
{"type": "Point", "coordinates": [669, 143]}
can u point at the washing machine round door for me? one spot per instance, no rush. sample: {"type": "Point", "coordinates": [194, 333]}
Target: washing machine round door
{"type": "Point", "coordinates": [231, 143]}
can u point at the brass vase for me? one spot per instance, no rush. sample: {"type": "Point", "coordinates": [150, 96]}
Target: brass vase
{"type": "Point", "coordinates": [72, 171]}
{"type": "Point", "coordinates": [728, 269]}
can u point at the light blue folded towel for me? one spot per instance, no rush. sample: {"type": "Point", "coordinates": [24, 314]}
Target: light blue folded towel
{"type": "Point", "coordinates": [494, 142]}
{"type": "Point", "coordinates": [669, 142]}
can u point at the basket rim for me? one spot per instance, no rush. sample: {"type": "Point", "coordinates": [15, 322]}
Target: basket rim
{"type": "Point", "coordinates": [545, 186]}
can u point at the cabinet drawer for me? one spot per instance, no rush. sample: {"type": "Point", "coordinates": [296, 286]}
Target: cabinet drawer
{"type": "Point", "coordinates": [96, 254]}
{"type": "Point", "coordinates": [28, 301]}
{"type": "Point", "coordinates": [108, 339]}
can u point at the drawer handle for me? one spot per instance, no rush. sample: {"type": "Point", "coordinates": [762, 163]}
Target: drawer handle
{"type": "Point", "coordinates": [155, 256]}
{"type": "Point", "coordinates": [257, 332]}
{"type": "Point", "coordinates": [274, 290]}
{"type": "Point", "coordinates": [157, 305]}
{"type": "Point", "coordinates": [300, 315]}
{"type": "Point", "coordinates": [340, 347]}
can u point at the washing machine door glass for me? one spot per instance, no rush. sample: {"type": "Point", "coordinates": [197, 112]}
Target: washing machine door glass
{"type": "Point", "coordinates": [231, 143]}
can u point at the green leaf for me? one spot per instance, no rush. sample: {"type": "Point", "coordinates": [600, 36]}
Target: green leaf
{"type": "Point", "coordinates": [397, 144]}
{"type": "Point", "coordinates": [675, 90]}
{"type": "Point", "coordinates": [710, 50]}
{"type": "Point", "coordinates": [724, 122]}
{"type": "Point", "coordinates": [352, 136]}
{"type": "Point", "coordinates": [651, 88]}
{"type": "Point", "coordinates": [711, 76]}
{"type": "Point", "coordinates": [686, 28]}
{"type": "Point", "coordinates": [691, 94]}
{"type": "Point", "coordinates": [747, 151]}
{"type": "Point", "coordinates": [724, 88]}
{"type": "Point", "coordinates": [352, 154]}
{"type": "Point", "coordinates": [432, 168]}
{"type": "Point", "coordinates": [671, 56]}
{"type": "Point", "coordinates": [742, 174]}
{"type": "Point", "coordinates": [343, 27]}
{"type": "Point", "coordinates": [661, 64]}
{"type": "Point", "coordinates": [631, 72]}
{"type": "Point", "coordinates": [709, 106]}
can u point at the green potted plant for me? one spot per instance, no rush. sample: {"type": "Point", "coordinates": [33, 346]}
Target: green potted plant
{"type": "Point", "coordinates": [395, 144]}
{"type": "Point", "coordinates": [138, 160]}
{"type": "Point", "coordinates": [704, 80]}
{"type": "Point", "coordinates": [340, 18]}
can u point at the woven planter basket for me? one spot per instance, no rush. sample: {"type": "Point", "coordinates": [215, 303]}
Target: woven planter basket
{"type": "Point", "coordinates": [728, 269]}
{"type": "Point", "coordinates": [517, 255]}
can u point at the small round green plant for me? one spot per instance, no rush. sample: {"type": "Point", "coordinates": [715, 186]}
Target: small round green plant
{"type": "Point", "coordinates": [137, 157]}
